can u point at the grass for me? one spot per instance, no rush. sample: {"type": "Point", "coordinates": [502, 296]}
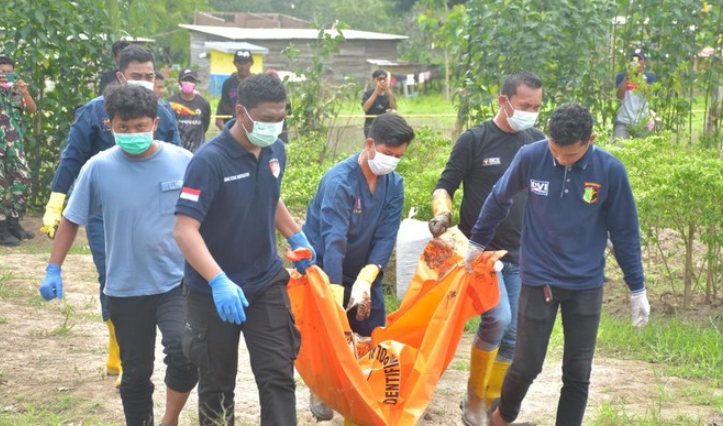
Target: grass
{"type": "Point", "coordinates": [6, 291]}
{"type": "Point", "coordinates": [48, 414]}
{"type": "Point", "coordinates": [614, 415]}
{"type": "Point", "coordinates": [683, 348]}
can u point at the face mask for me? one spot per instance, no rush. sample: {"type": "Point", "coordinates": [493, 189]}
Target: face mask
{"type": "Point", "coordinates": [187, 87]}
{"type": "Point", "coordinates": [134, 143]}
{"type": "Point", "coordinates": [264, 134]}
{"type": "Point", "coordinates": [520, 120]}
{"type": "Point", "coordinates": [382, 164]}
{"type": "Point", "coordinates": [143, 83]}
{"type": "Point", "coordinates": [6, 85]}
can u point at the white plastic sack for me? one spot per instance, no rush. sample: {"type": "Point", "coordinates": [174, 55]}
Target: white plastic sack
{"type": "Point", "coordinates": [412, 238]}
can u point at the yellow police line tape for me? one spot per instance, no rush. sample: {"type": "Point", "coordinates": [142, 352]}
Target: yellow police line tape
{"type": "Point", "coordinates": [365, 116]}
{"type": "Point", "coordinates": [695, 111]}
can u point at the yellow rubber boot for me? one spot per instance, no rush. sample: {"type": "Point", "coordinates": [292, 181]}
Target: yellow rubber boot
{"type": "Point", "coordinates": [494, 386]}
{"type": "Point", "coordinates": [474, 412]}
{"type": "Point", "coordinates": [113, 364]}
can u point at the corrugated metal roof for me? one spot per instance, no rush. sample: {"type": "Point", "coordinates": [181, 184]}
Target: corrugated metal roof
{"type": "Point", "coordinates": [232, 46]}
{"type": "Point", "coordinates": [284, 33]}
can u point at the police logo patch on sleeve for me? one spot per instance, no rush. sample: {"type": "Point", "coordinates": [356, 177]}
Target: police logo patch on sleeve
{"type": "Point", "coordinates": [275, 167]}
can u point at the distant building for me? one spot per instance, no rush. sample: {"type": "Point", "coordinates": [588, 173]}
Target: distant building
{"type": "Point", "coordinates": [272, 34]}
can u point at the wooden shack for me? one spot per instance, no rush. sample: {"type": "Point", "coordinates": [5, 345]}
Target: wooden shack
{"type": "Point", "coordinates": [350, 61]}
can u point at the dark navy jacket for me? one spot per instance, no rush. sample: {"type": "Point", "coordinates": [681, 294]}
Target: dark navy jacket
{"type": "Point", "coordinates": [569, 213]}
{"type": "Point", "coordinates": [91, 133]}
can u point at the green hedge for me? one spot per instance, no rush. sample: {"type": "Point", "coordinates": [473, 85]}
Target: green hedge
{"type": "Point", "coordinates": [421, 167]}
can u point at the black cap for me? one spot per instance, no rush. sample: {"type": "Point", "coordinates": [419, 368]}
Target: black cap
{"type": "Point", "coordinates": [640, 53]}
{"type": "Point", "coordinates": [186, 74]}
{"type": "Point", "coordinates": [243, 56]}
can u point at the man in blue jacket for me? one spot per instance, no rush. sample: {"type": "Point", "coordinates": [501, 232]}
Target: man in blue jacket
{"type": "Point", "coordinates": [577, 194]}
{"type": "Point", "coordinates": [352, 223]}
{"type": "Point", "coordinates": [90, 134]}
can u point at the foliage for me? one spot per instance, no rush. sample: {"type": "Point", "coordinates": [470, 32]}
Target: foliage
{"type": "Point", "coordinates": [157, 19]}
{"type": "Point", "coordinates": [316, 102]}
{"type": "Point", "coordinates": [421, 166]}
{"type": "Point", "coordinates": [58, 53]}
{"type": "Point", "coordinates": [678, 187]}
{"type": "Point", "coordinates": [673, 33]}
{"type": "Point", "coordinates": [578, 47]}
{"type": "Point", "coordinates": [444, 25]}
{"type": "Point", "coordinates": [564, 42]}
{"type": "Point", "coordinates": [686, 349]}
{"type": "Point", "coordinates": [368, 15]}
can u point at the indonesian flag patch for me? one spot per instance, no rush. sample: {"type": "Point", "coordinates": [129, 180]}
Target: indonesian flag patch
{"type": "Point", "coordinates": [190, 194]}
{"type": "Point", "coordinates": [275, 168]}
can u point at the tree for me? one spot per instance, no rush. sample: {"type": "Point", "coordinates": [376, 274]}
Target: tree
{"type": "Point", "coordinates": [369, 15]}
{"type": "Point", "coordinates": [157, 19]}
{"type": "Point", "coordinates": [58, 52]}
{"type": "Point", "coordinates": [444, 23]}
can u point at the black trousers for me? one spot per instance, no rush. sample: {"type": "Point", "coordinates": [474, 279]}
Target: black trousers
{"type": "Point", "coordinates": [536, 318]}
{"type": "Point", "coordinates": [273, 343]}
{"type": "Point", "coordinates": [135, 320]}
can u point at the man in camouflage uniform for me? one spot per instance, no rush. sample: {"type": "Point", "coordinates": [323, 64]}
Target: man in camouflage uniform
{"type": "Point", "coordinates": [14, 100]}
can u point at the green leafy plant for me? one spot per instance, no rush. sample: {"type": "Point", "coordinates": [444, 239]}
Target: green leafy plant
{"type": "Point", "coordinates": [59, 53]}
{"type": "Point", "coordinates": [317, 101]}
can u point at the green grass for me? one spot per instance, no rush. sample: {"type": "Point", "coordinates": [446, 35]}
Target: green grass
{"type": "Point", "coordinates": [704, 395]}
{"type": "Point", "coordinates": [48, 414]}
{"type": "Point", "coordinates": [432, 104]}
{"type": "Point", "coordinates": [683, 348]}
{"type": "Point", "coordinates": [6, 291]}
{"type": "Point", "coordinates": [613, 415]}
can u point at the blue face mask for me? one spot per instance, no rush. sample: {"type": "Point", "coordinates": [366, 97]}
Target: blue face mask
{"type": "Point", "coordinates": [263, 134]}
{"type": "Point", "coordinates": [134, 143]}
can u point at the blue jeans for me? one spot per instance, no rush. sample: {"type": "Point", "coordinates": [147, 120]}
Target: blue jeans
{"type": "Point", "coordinates": [498, 326]}
{"type": "Point", "coordinates": [96, 241]}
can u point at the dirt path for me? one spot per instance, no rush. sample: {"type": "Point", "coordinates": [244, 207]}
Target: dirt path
{"type": "Point", "coordinates": [44, 365]}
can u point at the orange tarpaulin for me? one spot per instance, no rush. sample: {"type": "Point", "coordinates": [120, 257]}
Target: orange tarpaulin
{"type": "Point", "coordinates": [390, 379]}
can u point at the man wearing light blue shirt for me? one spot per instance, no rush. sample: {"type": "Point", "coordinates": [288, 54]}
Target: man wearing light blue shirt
{"type": "Point", "coordinates": [134, 186]}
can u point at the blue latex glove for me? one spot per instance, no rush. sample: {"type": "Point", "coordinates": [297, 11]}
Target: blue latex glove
{"type": "Point", "coordinates": [52, 285]}
{"type": "Point", "coordinates": [229, 299]}
{"type": "Point", "coordinates": [298, 241]}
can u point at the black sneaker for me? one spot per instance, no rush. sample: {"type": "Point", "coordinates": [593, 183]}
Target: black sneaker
{"type": "Point", "coordinates": [6, 238]}
{"type": "Point", "coordinates": [17, 230]}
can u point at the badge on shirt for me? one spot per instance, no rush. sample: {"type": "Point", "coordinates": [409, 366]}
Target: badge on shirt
{"type": "Point", "coordinates": [491, 161]}
{"type": "Point", "coordinates": [539, 187]}
{"type": "Point", "coordinates": [591, 192]}
{"type": "Point", "coordinates": [190, 194]}
{"type": "Point", "coordinates": [106, 124]}
{"type": "Point", "coordinates": [275, 167]}
{"type": "Point", "coordinates": [357, 206]}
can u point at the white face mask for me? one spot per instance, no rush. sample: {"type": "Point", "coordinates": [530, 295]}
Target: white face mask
{"type": "Point", "coordinates": [143, 83]}
{"type": "Point", "coordinates": [382, 164]}
{"type": "Point", "coordinates": [520, 120]}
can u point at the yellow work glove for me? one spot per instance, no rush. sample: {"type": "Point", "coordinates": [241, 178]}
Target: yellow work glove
{"type": "Point", "coordinates": [53, 214]}
{"type": "Point", "coordinates": [338, 291]}
{"type": "Point", "coordinates": [361, 291]}
{"type": "Point", "coordinates": [442, 210]}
